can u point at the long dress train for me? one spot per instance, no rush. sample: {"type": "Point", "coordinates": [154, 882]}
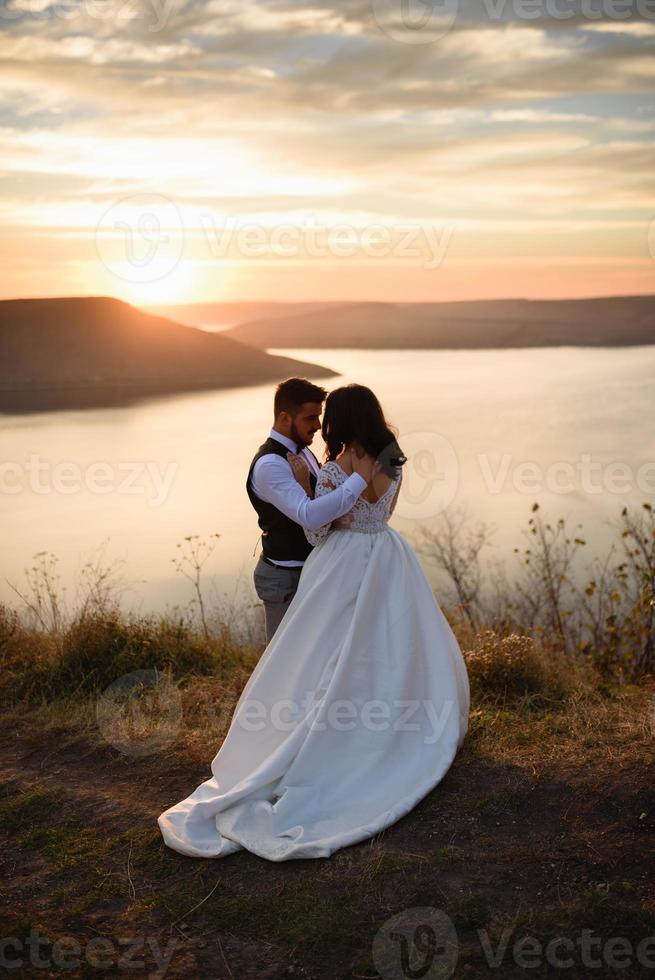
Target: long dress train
{"type": "Point", "coordinates": [354, 712]}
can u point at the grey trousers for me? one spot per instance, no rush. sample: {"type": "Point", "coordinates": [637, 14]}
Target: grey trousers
{"type": "Point", "coordinates": [276, 586]}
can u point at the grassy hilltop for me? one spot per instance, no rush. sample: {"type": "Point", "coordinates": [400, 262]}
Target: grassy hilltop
{"type": "Point", "coordinates": [541, 829]}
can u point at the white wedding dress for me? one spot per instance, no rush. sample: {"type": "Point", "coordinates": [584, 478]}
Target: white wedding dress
{"type": "Point", "coordinates": [353, 713]}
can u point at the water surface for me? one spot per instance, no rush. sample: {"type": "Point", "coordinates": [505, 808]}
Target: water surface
{"type": "Point", "coordinates": [491, 431]}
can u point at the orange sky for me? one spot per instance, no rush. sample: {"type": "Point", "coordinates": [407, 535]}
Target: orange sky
{"type": "Point", "coordinates": [283, 152]}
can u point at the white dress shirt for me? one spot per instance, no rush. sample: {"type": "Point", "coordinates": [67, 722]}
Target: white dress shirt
{"type": "Point", "coordinates": [273, 481]}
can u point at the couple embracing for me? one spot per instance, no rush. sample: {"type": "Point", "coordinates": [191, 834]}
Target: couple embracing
{"type": "Point", "coordinates": [360, 700]}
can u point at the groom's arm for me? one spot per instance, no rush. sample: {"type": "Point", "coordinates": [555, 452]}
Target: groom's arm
{"type": "Point", "coordinates": [273, 481]}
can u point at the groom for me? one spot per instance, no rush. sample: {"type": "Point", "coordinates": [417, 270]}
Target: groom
{"type": "Point", "coordinates": [283, 507]}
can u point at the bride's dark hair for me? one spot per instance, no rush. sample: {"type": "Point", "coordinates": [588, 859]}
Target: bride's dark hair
{"type": "Point", "coordinates": [353, 414]}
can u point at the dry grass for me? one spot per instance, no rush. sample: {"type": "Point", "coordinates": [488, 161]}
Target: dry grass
{"type": "Point", "coordinates": [542, 826]}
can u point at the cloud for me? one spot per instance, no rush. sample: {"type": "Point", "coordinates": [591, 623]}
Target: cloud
{"type": "Point", "coordinates": [274, 110]}
{"type": "Point", "coordinates": [635, 28]}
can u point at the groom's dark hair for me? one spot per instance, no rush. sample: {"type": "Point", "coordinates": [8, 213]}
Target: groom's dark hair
{"type": "Point", "coordinates": [294, 392]}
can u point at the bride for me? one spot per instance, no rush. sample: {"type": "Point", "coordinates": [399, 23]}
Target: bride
{"type": "Point", "coordinates": [359, 703]}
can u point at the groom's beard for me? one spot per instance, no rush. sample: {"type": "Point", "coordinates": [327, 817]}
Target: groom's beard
{"type": "Point", "coordinates": [297, 438]}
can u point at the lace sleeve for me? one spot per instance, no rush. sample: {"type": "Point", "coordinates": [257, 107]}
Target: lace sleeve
{"type": "Point", "coordinates": [325, 483]}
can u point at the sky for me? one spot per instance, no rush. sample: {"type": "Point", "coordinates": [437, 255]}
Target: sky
{"type": "Point", "coordinates": [171, 151]}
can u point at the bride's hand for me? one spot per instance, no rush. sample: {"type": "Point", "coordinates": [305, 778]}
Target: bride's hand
{"type": "Point", "coordinates": [300, 470]}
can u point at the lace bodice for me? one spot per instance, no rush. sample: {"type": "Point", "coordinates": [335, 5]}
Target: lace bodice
{"type": "Point", "coordinates": [363, 516]}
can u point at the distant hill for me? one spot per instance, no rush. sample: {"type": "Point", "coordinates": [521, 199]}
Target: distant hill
{"type": "Point", "coordinates": [93, 351]}
{"type": "Point", "coordinates": [606, 321]}
{"type": "Point", "coordinates": [219, 314]}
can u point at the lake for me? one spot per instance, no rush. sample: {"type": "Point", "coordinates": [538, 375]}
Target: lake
{"type": "Point", "coordinates": [491, 431]}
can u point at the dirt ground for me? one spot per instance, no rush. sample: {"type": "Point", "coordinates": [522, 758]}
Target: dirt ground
{"type": "Point", "coordinates": [542, 828]}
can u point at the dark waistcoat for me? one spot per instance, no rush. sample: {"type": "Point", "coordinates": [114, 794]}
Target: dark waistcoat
{"type": "Point", "coordinates": [282, 538]}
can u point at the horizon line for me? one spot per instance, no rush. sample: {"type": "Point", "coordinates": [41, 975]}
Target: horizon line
{"type": "Point", "coordinates": [340, 302]}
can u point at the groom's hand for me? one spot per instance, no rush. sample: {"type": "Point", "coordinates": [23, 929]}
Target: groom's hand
{"type": "Point", "coordinates": [367, 466]}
